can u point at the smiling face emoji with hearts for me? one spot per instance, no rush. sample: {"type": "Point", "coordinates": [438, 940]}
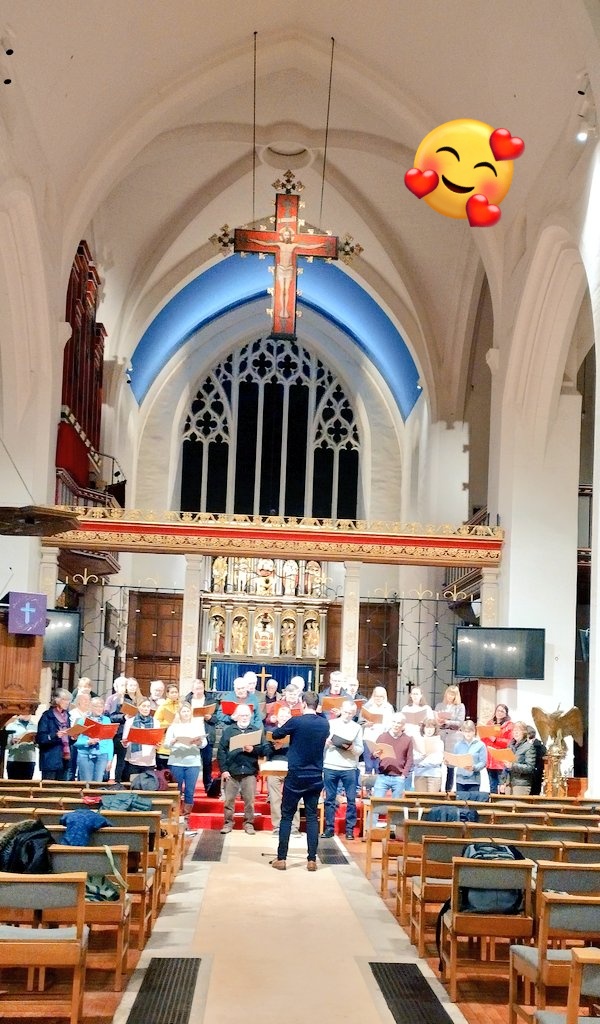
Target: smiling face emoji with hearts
{"type": "Point", "coordinates": [464, 168]}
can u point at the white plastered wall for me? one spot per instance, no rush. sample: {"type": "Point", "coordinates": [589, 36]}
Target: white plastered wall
{"type": "Point", "coordinates": [534, 468]}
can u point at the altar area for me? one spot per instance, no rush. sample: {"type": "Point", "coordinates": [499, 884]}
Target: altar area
{"type": "Point", "coordinates": [265, 610]}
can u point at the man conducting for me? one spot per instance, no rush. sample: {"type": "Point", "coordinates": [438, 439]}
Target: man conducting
{"type": "Point", "coordinates": [304, 779]}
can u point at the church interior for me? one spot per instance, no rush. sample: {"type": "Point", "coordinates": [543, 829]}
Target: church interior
{"type": "Point", "coordinates": [288, 387]}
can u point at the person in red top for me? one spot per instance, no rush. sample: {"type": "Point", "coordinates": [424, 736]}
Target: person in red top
{"type": "Point", "coordinates": [495, 767]}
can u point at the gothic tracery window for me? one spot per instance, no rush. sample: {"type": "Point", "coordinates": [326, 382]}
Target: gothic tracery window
{"type": "Point", "coordinates": [270, 431]}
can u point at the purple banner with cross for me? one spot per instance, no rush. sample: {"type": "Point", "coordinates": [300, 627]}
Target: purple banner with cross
{"type": "Point", "coordinates": [27, 613]}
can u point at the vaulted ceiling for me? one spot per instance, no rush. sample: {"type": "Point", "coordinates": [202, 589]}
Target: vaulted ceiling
{"type": "Point", "coordinates": [140, 115]}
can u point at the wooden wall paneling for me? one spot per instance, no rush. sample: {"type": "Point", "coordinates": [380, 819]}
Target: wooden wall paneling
{"type": "Point", "coordinates": [154, 637]}
{"type": "Point", "coordinates": [20, 671]}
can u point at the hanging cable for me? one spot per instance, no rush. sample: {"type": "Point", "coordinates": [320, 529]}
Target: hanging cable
{"type": "Point", "coordinates": [254, 140]}
{"type": "Point", "coordinates": [326, 131]}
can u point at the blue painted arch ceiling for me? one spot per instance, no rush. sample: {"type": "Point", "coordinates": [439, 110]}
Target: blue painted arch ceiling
{"type": "Point", "coordinates": [238, 281]}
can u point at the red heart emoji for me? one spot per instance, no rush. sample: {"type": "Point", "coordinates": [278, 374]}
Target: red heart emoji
{"type": "Point", "coordinates": [421, 183]}
{"type": "Point", "coordinates": [481, 213]}
{"type": "Point", "coordinates": [505, 146]}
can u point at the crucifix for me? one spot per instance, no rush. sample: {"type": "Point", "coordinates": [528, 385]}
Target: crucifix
{"type": "Point", "coordinates": [286, 243]}
{"type": "Point", "coordinates": [263, 675]}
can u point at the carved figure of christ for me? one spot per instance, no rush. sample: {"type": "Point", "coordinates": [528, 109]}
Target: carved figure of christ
{"type": "Point", "coordinates": [286, 244]}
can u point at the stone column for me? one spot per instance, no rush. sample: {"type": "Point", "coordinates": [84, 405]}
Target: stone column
{"type": "Point", "coordinates": [190, 627]}
{"type": "Point", "coordinates": [48, 577]}
{"type": "Point", "coordinates": [350, 620]}
{"type": "Point", "coordinates": [486, 691]}
{"type": "Point", "coordinates": [593, 722]}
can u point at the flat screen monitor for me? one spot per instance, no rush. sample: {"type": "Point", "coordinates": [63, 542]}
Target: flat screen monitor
{"type": "Point", "coordinates": [482, 652]}
{"type": "Point", "coordinates": [62, 636]}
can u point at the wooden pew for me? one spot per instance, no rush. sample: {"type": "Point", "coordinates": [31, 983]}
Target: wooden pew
{"type": "Point", "coordinates": [113, 917]}
{"type": "Point", "coordinates": [458, 924]}
{"type": "Point", "coordinates": [34, 949]}
{"type": "Point", "coordinates": [431, 887]}
{"type": "Point", "coordinates": [562, 918]}
{"type": "Point", "coordinates": [141, 876]}
{"type": "Point", "coordinates": [409, 862]}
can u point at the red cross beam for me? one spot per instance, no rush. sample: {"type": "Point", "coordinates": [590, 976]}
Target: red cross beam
{"type": "Point", "coordinates": [286, 243]}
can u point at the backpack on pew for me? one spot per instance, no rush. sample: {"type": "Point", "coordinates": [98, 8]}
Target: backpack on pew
{"type": "Point", "coordinates": [484, 901]}
{"type": "Point", "coordinates": [446, 812]}
{"type": "Point", "coordinates": [152, 779]}
{"type": "Point", "coordinates": [491, 901]}
{"type": "Point", "coordinates": [125, 801]}
{"type": "Point", "coordinates": [100, 889]}
{"type": "Point", "coordinates": [24, 848]}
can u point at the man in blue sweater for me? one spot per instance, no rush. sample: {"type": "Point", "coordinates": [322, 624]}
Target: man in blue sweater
{"type": "Point", "coordinates": [304, 779]}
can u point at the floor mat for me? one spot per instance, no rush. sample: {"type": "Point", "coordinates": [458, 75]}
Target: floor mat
{"type": "Point", "coordinates": [330, 853]}
{"type": "Point", "coordinates": [209, 846]}
{"type": "Point", "coordinates": [409, 997]}
{"type": "Point", "coordinates": [166, 992]}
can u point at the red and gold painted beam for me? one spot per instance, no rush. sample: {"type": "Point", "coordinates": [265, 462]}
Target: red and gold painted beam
{"type": "Point", "coordinates": [111, 529]}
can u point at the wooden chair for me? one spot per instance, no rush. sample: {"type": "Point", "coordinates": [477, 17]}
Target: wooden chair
{"type": "Point", "coordinates": [575, 879]}
{"type": "Point", "coordinates": [394, 811]}
{"type": "Point", "coordinates": [32, 948]}
{"type": "Point", "coordinates": [409, 863]}
{"type": "Point", "coordinates": [9, 815]}
{"type": "Point", "coordinates": [567, 820]}
{"type": "Point", "coordinates": [561, 917]}
{"type": "Point", "coordinates": [157, 852]}
{"type": "Point", "coordinates": [537, 851]}
{"type": "Point", "coordinates": [141, 877]}
{"type": "Point", "coordinates": [584, 984]}
{"type": "Point", "coordinates": [581, 853]}
{"type": "Point", "coordinates": [151, 820]}
{"type": "Point", "coordinates": [459, 924]}
{"type": "Point", "coordinates": [556, 833]}
{"type": "Point", "coordinates": [112, 917]}
{"type": "Point", "coordinates": [476, 832]}
{"type": "Point", "coordinates": [431, 887]}
{"type": "Point", "coordinates": [520, 816]}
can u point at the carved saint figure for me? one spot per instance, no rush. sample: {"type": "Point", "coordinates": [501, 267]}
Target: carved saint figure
{"type": "Point", "coordinates": [312, 579]}
{"type": "Point", "coordinates": [242, 571]}
{"type": "Point", "coordinates": [239, 635]}
{"type": "Point", "coordinates": [290, 577]}
{"type": "Point", "coordinates": [217, 624]}
{"type": "Point", "coordinates": [288, 636]}
{"type": "Point", "coordinates": [219, 574]}
{"type": "Point", "coordinates": [310, 639]}
{"type": "Point", "coordinates": [265, 568]}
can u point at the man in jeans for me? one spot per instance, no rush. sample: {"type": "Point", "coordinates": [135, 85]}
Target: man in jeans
{"type": "Point", "coordinates": [393, 772]}
{"type": "Point", "coordinates": [342, 751]}
{"type": "Point", "coordinates": [239, 768]}
{"type": "Point", "coordinates": [304, 781]}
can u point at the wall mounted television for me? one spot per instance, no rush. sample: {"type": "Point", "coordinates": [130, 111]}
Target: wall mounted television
{"type": "Point", "coordinates": [484, 652]}
{"type": "Point", "coordinates": [62, 636]}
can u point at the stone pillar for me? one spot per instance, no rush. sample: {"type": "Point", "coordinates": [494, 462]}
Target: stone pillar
{"type": "Point", "coordinates": [486, 691]}
{"type": "Point", "coordinates": [593, 723]}
{"type": "Point", "coordinates": [48, 578]}
{"type": "Point", "coordinates": [537, 502]}
{"type": "Point", "coordinates": [190, 626]}
{"type": "Point", "coordinates": [350, 620]}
